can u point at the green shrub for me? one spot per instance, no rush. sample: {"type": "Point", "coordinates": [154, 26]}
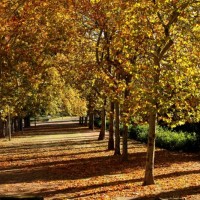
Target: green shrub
{"type": "Point", "coordinates": [167, 139]}
{"type": "Point", "coordinates": [139, 133]}
{"type": "Point", "coordinates": [97, 123]}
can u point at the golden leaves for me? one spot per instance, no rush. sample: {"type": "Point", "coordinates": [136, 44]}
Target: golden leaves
{"type": "Point", "coordinates": [69, 163]}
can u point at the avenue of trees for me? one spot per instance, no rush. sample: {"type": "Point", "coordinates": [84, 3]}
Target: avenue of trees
{"type": "Point", "coordinates": [128, 61]}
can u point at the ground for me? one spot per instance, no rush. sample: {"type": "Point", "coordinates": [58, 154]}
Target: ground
{"type": "Point", "coordinates": [62, 160]}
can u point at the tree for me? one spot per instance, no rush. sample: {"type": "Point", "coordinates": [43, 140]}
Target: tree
{"type": "Point", "coordinates": [161, 87]}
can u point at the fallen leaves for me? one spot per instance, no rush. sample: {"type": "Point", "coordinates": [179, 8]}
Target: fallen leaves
{"type": "Point", "coordinates": [75, 165]}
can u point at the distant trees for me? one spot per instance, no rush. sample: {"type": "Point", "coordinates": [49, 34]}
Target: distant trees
{"type": "Point", "coordinates": [34, 38]}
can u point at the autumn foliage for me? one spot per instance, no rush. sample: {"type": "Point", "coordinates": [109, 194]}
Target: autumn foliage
{"type": "Point", "coordinates": [132, 61]}
{"type": "Point", "coordinates": [65, 161]}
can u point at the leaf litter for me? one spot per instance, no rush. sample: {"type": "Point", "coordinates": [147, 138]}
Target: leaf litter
{"type": "Point", "coordinates": [72, 164]}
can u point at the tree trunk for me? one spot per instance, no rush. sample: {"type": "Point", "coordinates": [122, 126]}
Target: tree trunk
{"type": "Point", "coordinates": [9, 127]}
{"type": "Point", "coordinates": [27, 122]}
{"type": "Point", "coordinates": [81, 120]}
{"type": "Point", "coordinates": [15, 124]}
{"type": "Point", "coordinates": [12, 126]}
{"type": "Point", "coordinates": [117, 132]}
{"type": "Point", "coordinates": [111, 127]}
{"type": "Point", "coordinates": [20, 124]}
{"type": "Point", "coordinates": [4, 128]}
{"type": "Point", "coordinates": [1, 128]}
{"type": "Point", "coordinates": [35, 120]}
{"type": "Point", "coordinates": [86, 120]}
{"type": "Point", "coordinates": [91, 119]}
{"type": "Point", "coordinates": [125, 125]}
{"type": "Point", "coordinates": [149, 170]}
{"type": "Point", "coordinates": [103, 123]}
{"type": "Point", "coordinates": [125, 142]}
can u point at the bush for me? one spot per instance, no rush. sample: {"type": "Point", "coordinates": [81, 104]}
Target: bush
{"type": "Point", "coordinates": [97, 123]}
{"type": "Point", "coordinates": [167, 139]}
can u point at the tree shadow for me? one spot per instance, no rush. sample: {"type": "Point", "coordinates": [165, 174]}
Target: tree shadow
{"type": "Point", "coordinates": [76, 168]}
{"type": "Point", "coordinates": [192, 190]}
{"type": "Point", "coordinates": [49, 167]}
{"type": "Point", "coordinates": [51, 128]}
{"type": "Point", "coordinates": [55, 145]}
{"type": "Point", "coordinates": [176, 193]}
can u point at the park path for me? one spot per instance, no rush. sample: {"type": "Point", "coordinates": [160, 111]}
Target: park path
{"type": "Point", "coordinates": [62, 160]}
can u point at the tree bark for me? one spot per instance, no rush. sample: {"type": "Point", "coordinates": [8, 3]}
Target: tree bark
{"type": "Point", "coordinates": [91, 119]}
{"type": "Point", "coordinates": [149, 170]}
{"type": "Point", "coordinates": [103, 123]}
{"type": "Point", "coordinates": [9, 127]}
{"type": "Point", "coordinates": [12, 125]}
{"type": "Point", "coordinates": [125, 125]}
{"type": "Point", "coordinates": [27, 122]}
{"type": "Point", "coordinates": [117, 132]}
{"type": "Point", "coordinates": [81, 120]}
{"type": "Point", "coordinates": [1, 128]}
{"type": "Point", "coordinates": [111, 127]}
{"type": "Point", "coordinates": [20, 124]}
{"type": "Point", "coordinates": [125, 142]}
{"type": "Point", "coordinates": [4, 129]}
{"type": "Point", "coordinates": [86, 120]}
{"type": "Point", "coordinates": [15, 124]}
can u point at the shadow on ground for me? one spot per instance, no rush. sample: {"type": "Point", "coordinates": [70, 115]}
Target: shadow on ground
{"type": "Point", "coordinates": [54, 159]}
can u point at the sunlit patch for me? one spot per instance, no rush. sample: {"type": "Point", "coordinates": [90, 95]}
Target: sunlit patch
{"type": "Point", "coordinates": [70, 163]}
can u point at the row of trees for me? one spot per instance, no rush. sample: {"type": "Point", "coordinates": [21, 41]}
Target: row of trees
{"type": "Point", "coordinates": [34, 44]}
{"type": "Point", "coordinates": [147, 58]}
{"type": "Point", "coordinates": [137, 60]}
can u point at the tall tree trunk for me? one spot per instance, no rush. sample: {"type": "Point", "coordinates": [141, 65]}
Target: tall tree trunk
{"type": "Point", "coordinates": [91, 119]}
{"type": "Point", "coordinates": [149, 170]}
{"type": "Point", "coordinates": [111, 127]}
{"type": "Point", "coordinates": [125, 142]}
{"type": "Point", "coordinates": [15, 124]}
{"type": "Point", "coordinates": [12, 126]}
{"type": "Point", "coordinates": [35, 121]}
{"type": "Point", "coordinates": [125, 125]}
{"type": "Point", "coordinates": [4, 128]}
{"type": "Point", "coordinates": [20, 124]}
{"type": "Point", "coordinates": [86, 120]}
{"type": "Point", "coordinates": [9, 127]}
{"type": "Point", "coordinates": [103, 123]}
{"type": "Point", "coordinates": [1, 127]}
{"type": "Point", "coordinates": [27, 122]}
{"type": "Point", "coordinates": [80, 120]}
{"type": "Point", "coordinates": [117, 131]}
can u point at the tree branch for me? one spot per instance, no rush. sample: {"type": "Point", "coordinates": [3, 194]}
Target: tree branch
{"type": "Point", "coordinates": [97, 46]}
{"type": "Point", "coordinates": [165, 48]}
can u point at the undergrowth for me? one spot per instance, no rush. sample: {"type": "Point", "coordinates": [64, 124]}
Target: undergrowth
{"type": "Point", "coordinates": [165, 138]}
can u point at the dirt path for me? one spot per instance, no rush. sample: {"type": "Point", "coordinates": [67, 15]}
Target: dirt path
{"type": "Point", "coordinates": [65, 161]}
